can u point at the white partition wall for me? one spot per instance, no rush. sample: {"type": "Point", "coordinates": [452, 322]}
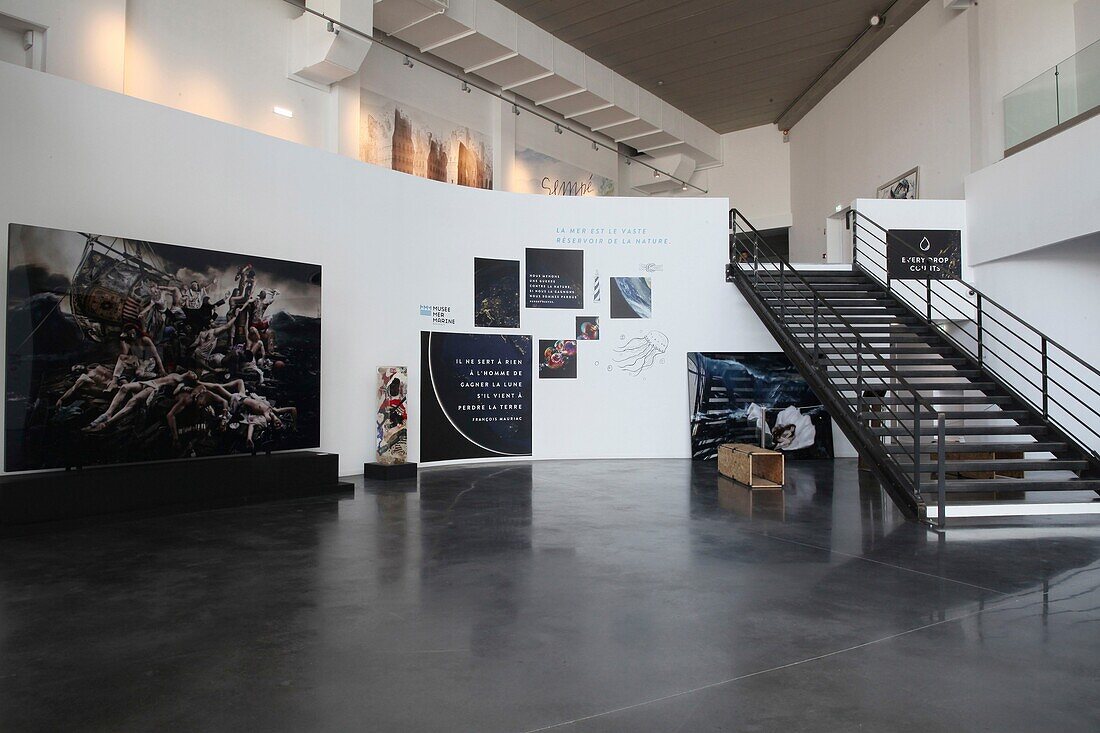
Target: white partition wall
{"type": "Point", "coordinates": [80, 158]}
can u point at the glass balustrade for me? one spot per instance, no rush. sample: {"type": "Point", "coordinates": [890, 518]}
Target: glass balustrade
{"type": "Point", "coordinates": [1058, 95]}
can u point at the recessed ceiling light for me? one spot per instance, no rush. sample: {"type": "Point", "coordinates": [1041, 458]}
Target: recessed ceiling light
{"type": "Point", "coordinates": [283, 111]}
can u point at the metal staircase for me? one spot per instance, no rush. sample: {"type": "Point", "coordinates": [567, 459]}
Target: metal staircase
{"type": "Point", "coordinates": [959, 407]}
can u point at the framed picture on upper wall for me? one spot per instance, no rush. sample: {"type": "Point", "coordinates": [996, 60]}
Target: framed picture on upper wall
{"type": "Point", "coordinates": [123, 350]}
{"type": "Point", "coordinates": [905, 186]}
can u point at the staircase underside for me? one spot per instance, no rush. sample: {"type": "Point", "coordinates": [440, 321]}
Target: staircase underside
{"type": "Point", "coordinates": [1002, 457]}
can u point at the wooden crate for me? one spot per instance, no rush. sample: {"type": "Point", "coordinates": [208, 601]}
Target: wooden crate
{"type": "Point", "coordinates": [753, 466]}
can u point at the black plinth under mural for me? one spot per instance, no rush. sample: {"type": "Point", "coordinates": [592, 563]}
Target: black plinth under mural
{"type": "Point", "coordinates": [392, 472]}
{"type": "Point", "coordinates": [184, 485]}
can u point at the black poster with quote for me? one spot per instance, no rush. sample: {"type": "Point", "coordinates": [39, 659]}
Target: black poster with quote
{"type": "Point", "coordinates": [475, 396]}
{"type": "Point", "coordinates": [921, 254]}
{"type": "Point", "coordinates": [555, 278]}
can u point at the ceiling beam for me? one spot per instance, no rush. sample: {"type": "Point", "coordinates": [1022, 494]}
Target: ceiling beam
{"type": "Point", "coordinates": [893, 17]}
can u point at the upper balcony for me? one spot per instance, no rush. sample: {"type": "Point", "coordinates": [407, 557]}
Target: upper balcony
{"type": "Point", "coordinates": [1059, 98]}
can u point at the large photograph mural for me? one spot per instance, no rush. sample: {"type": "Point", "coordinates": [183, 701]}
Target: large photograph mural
{"type": "Point", "coordinates": [735, 396]}
{"type": "Point", "coordinates": [475, 396]}
{"type": "Point", "coordinates": [121, 350]}
{"type": "Point", "coordinates": [538, 173]}
{"type": "Point", "coordinates": [401, 137]}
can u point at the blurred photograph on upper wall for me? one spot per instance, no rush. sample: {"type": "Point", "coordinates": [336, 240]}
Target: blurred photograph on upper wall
{"type": "Point", "coordinates": [905, 186]}
{"type": "Point", "coordinates": [396, 135]}
{"type": "Point", "coordinates": [538, 173]}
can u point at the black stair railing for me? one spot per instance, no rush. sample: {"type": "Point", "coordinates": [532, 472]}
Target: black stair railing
{"type": "Point", "coordinates": [1058, 384]}
{"type": "Point", "coordinates": [869, 373]}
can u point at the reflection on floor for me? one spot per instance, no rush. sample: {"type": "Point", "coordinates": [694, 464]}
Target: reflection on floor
{"type": "Point", "coordinates": [573, 596]}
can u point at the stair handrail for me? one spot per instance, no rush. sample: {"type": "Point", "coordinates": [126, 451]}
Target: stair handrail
{"type": "Point", "coordinates": [982, 334]}
{"type": "Point", "coordinates": [783, 263]}
{"type": "Point", "coordinates": [919, 399]}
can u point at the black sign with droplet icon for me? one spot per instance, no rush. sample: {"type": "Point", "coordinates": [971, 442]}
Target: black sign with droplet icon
{"type": "Point", "coordinates": [923, 254]}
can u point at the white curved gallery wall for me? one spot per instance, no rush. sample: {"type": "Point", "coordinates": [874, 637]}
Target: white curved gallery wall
{"type": "Point", "coordinates": [80, 158]}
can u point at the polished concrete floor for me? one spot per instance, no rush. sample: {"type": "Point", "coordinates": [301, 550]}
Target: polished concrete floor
{"type": "Point", "coordinates": [564, 596]}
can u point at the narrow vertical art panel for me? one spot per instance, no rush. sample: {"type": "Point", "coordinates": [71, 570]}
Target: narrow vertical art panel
{"type": "Point", "coordinates": [393, 416]}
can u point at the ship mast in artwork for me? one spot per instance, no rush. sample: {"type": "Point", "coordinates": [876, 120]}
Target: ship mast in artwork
{"type": "Point", "coordinates": [105, 291]}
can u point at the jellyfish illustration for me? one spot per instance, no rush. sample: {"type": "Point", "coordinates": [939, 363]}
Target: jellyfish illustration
{"type": "Point", "coordinates": [639, 354]}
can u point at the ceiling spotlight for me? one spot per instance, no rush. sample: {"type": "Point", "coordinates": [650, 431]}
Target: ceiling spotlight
{"type": "Point", "coordinates": [557, 128]}
{"type": "Point", "coordinates": [684, 188]}
{"type": "Point", "coordinates": [515, 110]}
{"type": "Point", "coordinates": [333, 29]}
{"type": "Point", "coordinates": [595, 146]}
{"type": "Point", "coordinates": [408, 62]}
{"type": "Point", "coordinates": [876, 20]}
{"type": "Point", "coordinates": [628, 161]}
{"type": "Point", "coordinates": [465, 87]}
{"type": "Point", "coordinates": [656, 174]}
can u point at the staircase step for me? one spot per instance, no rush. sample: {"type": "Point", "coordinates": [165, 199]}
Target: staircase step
{"type": "Point", "coordinates": [907, 349]}
{"type": "Point", "coordinates": [908, 373]}
{"type": "Point", "coordinates": [1044, 446]}
{"type": "Point", "coordinates": [827, 317]}
{"type": "Point", "coordinates": [835, 298]}
{"type": "Point", "coordinates": [939, 400]}
{"type": "Point", "coordinates": [826, 290]}
{"type": "Point", "coordinates": [903, 361]}
{"type": "Point", "coordinates": [971, 430]}
{"type": "Point", "coordinates": [887, 334]}
{"type": "Point", "coordinates": [1000, 485]}
{"type": "Point", "coordinates": [954, 415]}
{"type": "Point", "coordinates": [927, 386]}
{"type": "Point", "coordinates": [999, 464]}
{"type": "Point", "coordinates": [838, 274]}
{"type": "Point", "coordinates": [859, 310]}
{"type": "Point", "coordinates": [863, 331]}
{"type": "Point", "coordinates": [877, 302]}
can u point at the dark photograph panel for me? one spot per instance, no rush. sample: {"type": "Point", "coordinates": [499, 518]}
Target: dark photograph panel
{"type": "Point", "coordinates": [631, 297]}
{"type": "Point", "coordinates": [555, 278]}
{"type": "Point", "coordinates": [496, 293]}
{"type": "Point", "coordinates": [122, 350]}
{"type": "Point", "coordinates": [557, 359]}
{"type": "Point", "coordinates": [588, 328]}
{"type": "Point", "coordinates": [744, 398]}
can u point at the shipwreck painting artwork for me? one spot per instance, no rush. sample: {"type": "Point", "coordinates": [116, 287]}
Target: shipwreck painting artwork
{"type": "Point", "coordinates": [123, 350]}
